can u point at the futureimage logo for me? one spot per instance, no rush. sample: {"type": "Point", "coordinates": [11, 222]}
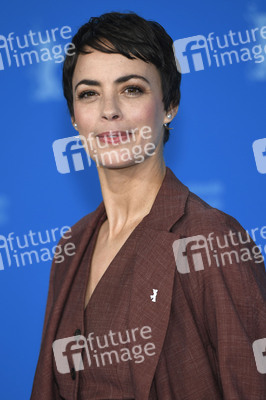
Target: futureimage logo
{"type": "Point", "coordinates": [72, 153]}
{"type": "Point", "coordinates": [195, 53]}
{"type": "Point", "coordinates": [194, 245]}
{"type": "Point", "coordinates": [192, 53]}
{"type": "Point", "coordinates": [259, 150]}
{"type": "Point", "coordinates": [12, 248]}
{"type": "Point", "coordinates": [259, 350]}
{"type": "Point", "coordinates": [12, 47]}
{"type": "Point", "coordinates": [200, 252]}
{"type": "Point", "coordinates": [118, 347]}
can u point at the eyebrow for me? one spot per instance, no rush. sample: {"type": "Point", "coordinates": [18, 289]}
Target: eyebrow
{"type": "Point", "coordinates": [122, 79]}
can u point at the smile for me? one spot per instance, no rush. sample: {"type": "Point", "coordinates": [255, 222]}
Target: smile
{"type": "Point", "coordinates": [113, 136]}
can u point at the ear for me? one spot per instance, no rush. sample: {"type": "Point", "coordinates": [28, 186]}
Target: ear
{"type": "Point", "coordinates": [172, 111]}
{"type": "Point", "coordinates": [73, 123]}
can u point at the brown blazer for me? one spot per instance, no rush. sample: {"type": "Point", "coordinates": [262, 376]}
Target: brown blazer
{"type": "Point", "coordinates": [205, 318]}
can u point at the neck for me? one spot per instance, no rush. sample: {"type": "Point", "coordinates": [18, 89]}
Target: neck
{"type": "Point", "coordinates": [129, 193]}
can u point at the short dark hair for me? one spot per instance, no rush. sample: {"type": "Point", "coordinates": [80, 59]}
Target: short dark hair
{"type": "Point", "coordinates": [133, 37]}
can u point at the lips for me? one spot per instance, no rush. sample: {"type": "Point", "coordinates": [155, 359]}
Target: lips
{"type": "Point", "coordinates": [113, 136]}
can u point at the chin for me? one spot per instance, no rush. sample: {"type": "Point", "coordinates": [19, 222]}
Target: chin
{"type": "Point", "coordinates": [120, 165]}
{"type": "Point", "coordinates": [114, 160]}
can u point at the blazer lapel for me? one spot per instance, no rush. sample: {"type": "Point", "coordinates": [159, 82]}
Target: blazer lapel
{"type": "Point", "coordinates": [154, 268]}
{"type": "Point", "coordinates": [43, 387]}
{"type": "Point", "coordinates": [72, 263]}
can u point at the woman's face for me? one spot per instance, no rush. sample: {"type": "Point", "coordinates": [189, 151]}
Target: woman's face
{"type": "Point", "coordinates": [118, 109]}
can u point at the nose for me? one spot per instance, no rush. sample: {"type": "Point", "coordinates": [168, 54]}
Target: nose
{"type": "Point", "coordinates": [110, 109]}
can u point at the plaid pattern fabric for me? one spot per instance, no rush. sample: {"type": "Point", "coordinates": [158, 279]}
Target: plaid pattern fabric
{"type": "Point", "coordinates": [208, 310]}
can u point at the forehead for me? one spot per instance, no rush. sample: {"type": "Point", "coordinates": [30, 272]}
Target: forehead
{"type": "Point", "coordinates": [109, 67]}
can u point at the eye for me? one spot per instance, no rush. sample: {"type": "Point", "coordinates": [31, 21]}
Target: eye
{"type": "Point", "coordinates": [86, 94]}
{"type": "Point", "coordinates": [133, 90]}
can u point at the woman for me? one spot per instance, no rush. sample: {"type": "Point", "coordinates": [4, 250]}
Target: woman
{"type": "Point", "coordinates": [149, 307]}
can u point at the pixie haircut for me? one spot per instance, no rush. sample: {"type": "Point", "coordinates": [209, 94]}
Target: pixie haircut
{"type": "Point", "coordinates": [133, 37]}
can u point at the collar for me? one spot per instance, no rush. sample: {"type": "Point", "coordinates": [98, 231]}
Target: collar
{"type": "Point", "coordinates": [168, 207]}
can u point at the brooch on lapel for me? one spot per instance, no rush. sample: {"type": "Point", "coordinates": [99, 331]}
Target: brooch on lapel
{"type": "Point", "coordinates": [154, 295]}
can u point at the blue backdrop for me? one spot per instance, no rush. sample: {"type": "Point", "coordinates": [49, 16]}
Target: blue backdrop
{"type": "Point", "coordinates": [211, 149]}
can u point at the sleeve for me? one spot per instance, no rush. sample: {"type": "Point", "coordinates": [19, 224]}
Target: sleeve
{"type": "Point", "coordinates": [228, 294]}
{"type": "Point", "coordinates": [50, 300]}
{"type": "Point", "coordinates": [44, 386]}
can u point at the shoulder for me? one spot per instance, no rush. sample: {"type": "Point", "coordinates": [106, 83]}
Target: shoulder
{"type": "Point", "coordinates": [81, 225]}
{"type": "Point", "coordinates": [211, 245]}
{"type": "Point", "coordinates": [187, 212]}
{"type": "Point", "coordinates": [213, 249]}
{"type": "Point", "coordinates": [201, 218]}
{"type": "Point", "coordinates": [86, 223]}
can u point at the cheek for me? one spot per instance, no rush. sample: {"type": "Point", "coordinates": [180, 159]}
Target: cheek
{"type": "Point", "coordinates": [84, 118]}
{"type": "Point", "coordinates": [149, 114]}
